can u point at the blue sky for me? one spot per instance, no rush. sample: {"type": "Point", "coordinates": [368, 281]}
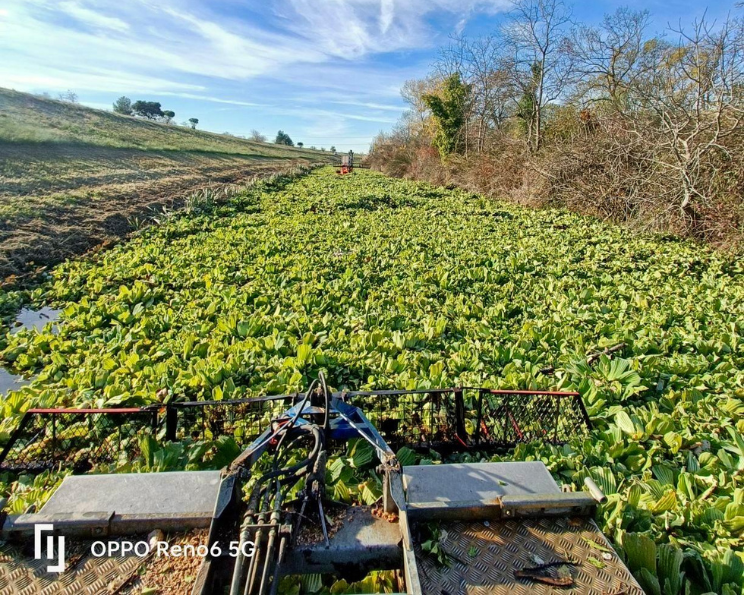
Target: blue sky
{"type": "Point", "coordinates": [325, 71]}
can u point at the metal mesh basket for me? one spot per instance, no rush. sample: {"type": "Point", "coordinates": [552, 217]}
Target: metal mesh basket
{"type": "Point", "coordinates": [77, 439]}
{"type": "Point", "coordinates": [418, 419]}
{"type": "Point", "coordinates": [447, 418]}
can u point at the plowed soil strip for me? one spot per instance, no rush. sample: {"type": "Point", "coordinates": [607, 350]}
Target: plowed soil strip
{"type": "Point", "coordinates": [60, 202]}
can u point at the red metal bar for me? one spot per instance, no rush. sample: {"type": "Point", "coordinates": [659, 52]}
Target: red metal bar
{"type": "Point", "coordinates": [111, 410]}
{"type": "Point", "coordinates": [515, 425]}
{"type": "Point", "coordinates": [549, 393]}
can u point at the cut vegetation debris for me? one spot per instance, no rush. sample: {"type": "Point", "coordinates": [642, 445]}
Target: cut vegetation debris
{"type": "Point", "coordinates": [386, 283]}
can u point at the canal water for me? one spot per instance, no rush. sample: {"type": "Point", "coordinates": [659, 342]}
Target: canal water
{"type": "Point", "coordinates": [26, 319]}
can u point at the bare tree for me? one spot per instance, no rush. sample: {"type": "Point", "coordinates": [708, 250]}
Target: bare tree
{"type": "Point", "coordinates": [610, 58]}
{"type": "Point", "coordinates": [452, 62]}
{"type": "Point", "coordinates": [257, 136]}
{"type": "Point", "coordinates": [485, 68]}
{"type": "Point", "coordinates": [619, 121]}
{"type": "Point", "coordinates": [490, 78]}
{"type": "Point", "coordinates": [68, 96]}
{"type": "Point", "coordinates": [413, 92]}
{"type": "Point", "coordinates": [540, 62]}
{"type": "Point", "coordinates": [689, 106]}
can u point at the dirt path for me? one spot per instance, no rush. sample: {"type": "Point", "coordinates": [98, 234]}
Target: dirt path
{"type": "Point", "coordinates": [59, 203]}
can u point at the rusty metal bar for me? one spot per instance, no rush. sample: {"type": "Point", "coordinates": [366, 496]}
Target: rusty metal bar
{"type": "Point", "coordinates": [54, 437]}
{"type": "Point", "coordinates": [479, 418]}
{"type": "Point", "coordinates": [460, 415]}
{"type": "Point", "coordinates": [62, 411]}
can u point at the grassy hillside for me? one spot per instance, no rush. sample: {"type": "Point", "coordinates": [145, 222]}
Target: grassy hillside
{"type": "Point", "coordinates": [27, 118]}
{"type": "Point", "coordinates": [393, 284]}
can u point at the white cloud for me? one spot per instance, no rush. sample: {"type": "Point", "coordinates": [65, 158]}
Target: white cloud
{"type": "Point", "coordinates": [355, 28]}
{"type": "Point", "coordinates": [91, 17]}
{"type": "Point", "coordinates": [241, 52]}
{"type": "Point", "coordinates": [214, 99]}
{"type": "Point", "coordinates": [387, 14]}
{"type": "Point", "coordinates": [371, 105]}
{"type": "Point", "coordinates": [53, 79]}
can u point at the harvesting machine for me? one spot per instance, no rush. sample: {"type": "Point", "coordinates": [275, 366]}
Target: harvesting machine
{"type": "Point", "coordinates": [445, 528]}
{"type": "Point", "coordinates": [347, 164]}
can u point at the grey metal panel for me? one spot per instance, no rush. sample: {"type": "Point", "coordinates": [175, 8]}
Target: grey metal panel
{"type": "Point", "coordinates": [181, 492]}
{"type": "Point", "coordinates": [470, 483]}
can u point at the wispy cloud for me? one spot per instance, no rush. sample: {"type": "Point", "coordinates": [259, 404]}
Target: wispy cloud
{"type": "Point", "coordinates": [350, 29]}
{"type": "Point", "coordinates": [370, 105]}
{"type": "Point", "coordinates": [54, 79]}
{"type": "Point", "coordinates": [323, 65]}
{"type": "Point", "coordinates": [213, 99]}
{"type": "Point", "coordinates": [91, 17]}
{"type": "Point", "coordinates": [191, 38]}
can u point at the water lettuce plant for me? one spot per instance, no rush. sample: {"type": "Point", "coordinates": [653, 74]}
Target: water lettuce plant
{"type": "Point", "coordinates": [386, 283]}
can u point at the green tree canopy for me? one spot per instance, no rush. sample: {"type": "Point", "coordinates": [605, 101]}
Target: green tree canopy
{"type": "Point", "coordinates": [282, 138]}
{"type": "Point", "coordinates": [147, 109]}
{"type": "Point", "coordinates": [448, 110]}
{"type": "Point", "coordinates": [123, 105]}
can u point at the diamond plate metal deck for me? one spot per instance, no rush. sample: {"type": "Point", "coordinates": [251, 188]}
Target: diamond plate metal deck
{"type": "Point", "coordinates": [20, 574]}
{"type": "Point", "coordinates": [501, 548]}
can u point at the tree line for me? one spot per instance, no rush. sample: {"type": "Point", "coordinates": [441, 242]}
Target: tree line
{"type": "Point", "coordinates": [153, 110]}
{"type": "Point", "coordinates": [612, 119]}
{"type": "Point", "coordinates": [150, 110]}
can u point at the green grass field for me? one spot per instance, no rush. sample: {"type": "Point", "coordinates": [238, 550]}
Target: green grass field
{"type": "Point", "coordinates": [28, 118]}
{"type": "Point", "coordinates": [386, 283]}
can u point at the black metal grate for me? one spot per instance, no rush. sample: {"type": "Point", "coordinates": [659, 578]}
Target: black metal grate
{"type": "Point", "coordinates": [77, 439]}
{"type": "Point", "coordinates": [243, 419]}
{"type": "Point", "coordinates": [418, 419]}
{"type": "Point", "coordinates": [506, 418]}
